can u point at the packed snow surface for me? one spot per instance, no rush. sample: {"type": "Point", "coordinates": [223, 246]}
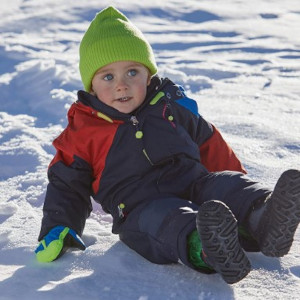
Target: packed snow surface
{"type": "Point", "coordinates": [239, 59]}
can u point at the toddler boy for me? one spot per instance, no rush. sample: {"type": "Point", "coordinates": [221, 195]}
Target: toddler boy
{"type": "Point", "coordinates": [175, 189]}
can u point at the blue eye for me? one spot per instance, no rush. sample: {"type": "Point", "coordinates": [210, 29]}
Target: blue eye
{"type": "Point", "coordinates": [108, 77]}
{"type": "Point", "coordinates": [132, 72]}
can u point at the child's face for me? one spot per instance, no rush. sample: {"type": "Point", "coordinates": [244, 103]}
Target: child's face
{"type": "Point", "coordinates": [121, 85]}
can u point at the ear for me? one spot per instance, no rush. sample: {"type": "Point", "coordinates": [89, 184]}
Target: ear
{"type": "Point", "coordinates": [149, 79]}
{"type": "Point", "coordinates": [92, 92]}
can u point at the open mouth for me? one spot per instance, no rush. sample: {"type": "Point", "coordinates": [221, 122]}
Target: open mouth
{"type": "Point", "coordinates": [124, 99]}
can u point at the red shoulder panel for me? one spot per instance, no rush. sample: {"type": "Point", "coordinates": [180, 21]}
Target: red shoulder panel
{"type": "Point", "coordinates": [217, 155]}
{"type": "Point", "coordinates": [88, 137]}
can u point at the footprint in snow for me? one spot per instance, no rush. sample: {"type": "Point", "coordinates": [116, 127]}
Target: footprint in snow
{"type": "Point", "coordinates": [7, 211]}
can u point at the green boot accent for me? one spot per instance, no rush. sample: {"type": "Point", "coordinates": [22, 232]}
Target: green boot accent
{"type": "Point", "coordinates": [194, 253]}
{"type": "Point", "coordinates": [243, 232]}
{"type": "Point", "coordinates": [247, 241]}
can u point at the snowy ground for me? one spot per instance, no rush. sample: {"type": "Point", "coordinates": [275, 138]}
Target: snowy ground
{"type": "Point", "coordinates": [239, 59]}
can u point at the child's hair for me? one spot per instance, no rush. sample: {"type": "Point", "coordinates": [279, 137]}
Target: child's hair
{"type": "Point", "coordinates": [111, 37]}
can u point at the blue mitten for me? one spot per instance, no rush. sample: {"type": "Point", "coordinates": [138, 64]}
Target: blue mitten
{"type": "Point", "coordinates": [56, 242]}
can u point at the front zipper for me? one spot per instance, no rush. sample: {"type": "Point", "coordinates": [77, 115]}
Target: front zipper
{"type": "Point", "coordinates": [135, 122]}
{"type": "Point", "coordinates": [139, 135]}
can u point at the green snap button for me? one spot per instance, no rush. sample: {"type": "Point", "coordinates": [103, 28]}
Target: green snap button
{"type": "Point", "coordinates": [139, 134]}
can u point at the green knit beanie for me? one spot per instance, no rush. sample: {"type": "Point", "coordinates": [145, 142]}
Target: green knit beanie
{"type": "Point", "coordinates": [111, 37]}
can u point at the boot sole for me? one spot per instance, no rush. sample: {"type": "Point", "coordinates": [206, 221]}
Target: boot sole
{"type": "Point", "coordinates": [279, 223]}
{"type": "Point", "coordinates": [218, 232]}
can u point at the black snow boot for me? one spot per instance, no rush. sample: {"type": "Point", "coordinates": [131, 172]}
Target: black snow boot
{"type": "Point", "coordinates": [218, 231]}
{"type": "Point", "coordinates": [274, 222]}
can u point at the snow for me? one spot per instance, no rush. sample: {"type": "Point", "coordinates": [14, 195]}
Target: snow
{"type": "Point", "coordinates": [239, 59]}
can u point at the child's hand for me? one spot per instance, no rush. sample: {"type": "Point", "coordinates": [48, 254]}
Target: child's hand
{"type": "Point", "coordinates": [56, 242]}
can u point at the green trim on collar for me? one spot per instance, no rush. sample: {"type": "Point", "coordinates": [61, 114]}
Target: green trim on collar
{"type": "Point", "coordinates": [157, 97]}
{"type": "Point", "coordinates": [105, 117]}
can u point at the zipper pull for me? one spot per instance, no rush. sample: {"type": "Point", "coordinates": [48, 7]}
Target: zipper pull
{"type": "Point", "coordinates": [134, 120]}
{"type": "Point", "coordinates": [121, 206]}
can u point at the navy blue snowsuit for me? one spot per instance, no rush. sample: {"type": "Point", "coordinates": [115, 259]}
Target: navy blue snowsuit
{"type": "Point", "coordinates": [151, 170]}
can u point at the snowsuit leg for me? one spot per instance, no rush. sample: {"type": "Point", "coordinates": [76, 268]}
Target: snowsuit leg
{"type": "Point", "coordinates": [158, 229]}
{"type": "Point", "coordinates": [235, 189]}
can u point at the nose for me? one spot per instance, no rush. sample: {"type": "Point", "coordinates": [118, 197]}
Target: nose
{"type": "Point", "coordinates": [121, 84]}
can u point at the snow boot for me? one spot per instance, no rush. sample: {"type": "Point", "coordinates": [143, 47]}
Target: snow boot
{"type": "Point", "coordinates": [218, 231]}
{"type": "Point", "coordinates": [274, 222]}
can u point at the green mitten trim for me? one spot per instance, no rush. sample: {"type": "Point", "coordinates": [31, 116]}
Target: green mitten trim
{"type": "Point", "coordinates": [53, 249]}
